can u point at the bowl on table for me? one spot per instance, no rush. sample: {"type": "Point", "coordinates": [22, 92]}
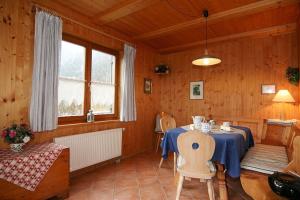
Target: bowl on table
{"type": "Point", "coordinates": [226, 124]}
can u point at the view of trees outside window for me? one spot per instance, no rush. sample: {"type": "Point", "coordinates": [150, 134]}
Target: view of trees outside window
{"type": "Point", "coordinates": [103, 82]}
{"type": "Point", "coordinates": [71, 80]}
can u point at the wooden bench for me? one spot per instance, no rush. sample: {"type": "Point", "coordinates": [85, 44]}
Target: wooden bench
{"type": "Point", "coordinates": [54, 184]}
{"type": "Point", "coordinates": [255, 183]}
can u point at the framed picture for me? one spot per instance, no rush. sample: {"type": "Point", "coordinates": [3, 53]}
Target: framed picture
{"type": "Point", "coordinates": [268, 89]}
{"type": "Point", "coordinates": [147, 86]}
{"type": "Point", "coordinates": [196, 90]}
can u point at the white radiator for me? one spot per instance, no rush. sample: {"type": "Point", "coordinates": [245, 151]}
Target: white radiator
{"type": "Point", "coordinates": [92, 148]}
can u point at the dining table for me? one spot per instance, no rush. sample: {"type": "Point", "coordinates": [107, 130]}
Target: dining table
{"type": "Point", "coordinates": [230, 148]}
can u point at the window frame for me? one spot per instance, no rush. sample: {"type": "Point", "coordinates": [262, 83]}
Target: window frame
{"type": "Point", "coordinates": [89, 46]}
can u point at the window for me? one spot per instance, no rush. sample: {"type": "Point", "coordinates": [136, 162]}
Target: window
{"type": "Point", "coordinates": [103, 82]}
{"type": "Point", "coordinates": [87, 81]}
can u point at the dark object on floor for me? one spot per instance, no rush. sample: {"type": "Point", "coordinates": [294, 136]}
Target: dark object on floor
{"type": "Point", "coordinates": [285, 185]}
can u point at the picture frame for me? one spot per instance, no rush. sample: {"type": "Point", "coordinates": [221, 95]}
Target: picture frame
{"type": "Point", "coordinates": [197, 90]}
{"type": "Point", "coordinates": [147, 86]}
{"type": "Point", "coordinates": [268, 89]}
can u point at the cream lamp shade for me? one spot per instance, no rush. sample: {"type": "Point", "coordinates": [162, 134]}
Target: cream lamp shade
{"type": "Point", "coordinates": [283, 96]}
{"type": "Point", "coordinates": [206, 60]}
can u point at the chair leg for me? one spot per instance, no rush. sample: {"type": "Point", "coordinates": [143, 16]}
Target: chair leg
{"type": "Point", "coordinates": [210, 188]}
{"type": "Point", "coordinates": [175, 163]}
{"type": "Point", "coordinates": [158, 140]}
{"type": "Point", "coordinates": [160, 163]}
{"type": "Point", "coordinates": [179, 186]}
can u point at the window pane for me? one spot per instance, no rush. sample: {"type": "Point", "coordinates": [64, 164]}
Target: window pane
{"type": "Point", "coordinates": [72, 61]}
{"type": "Point", "coordinates": [103, 82]}
{"type": "Point", "coordinates": [71, 80]}
{"type": "Point", "coordinates": [70, 97]}
{"type": "Point", "coordinates": [103, 67]}
{"type": "Point", "coordinates": [102, 98]}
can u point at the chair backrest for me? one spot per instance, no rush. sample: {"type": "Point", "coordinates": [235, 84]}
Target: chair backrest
{"type": "Point", "coordinates": [162, 114]}
{"type": "Point", "coordinates": [294, 165]}
{"type": "Point", "coordinates": [157, 121]}
{"type": "Point", "coordinates": [295, 131]}
{"type": "Point", "coordinates": [197, 149]}
{"type": "Point", "coordinates": [290, 140]}
{"type": "Point", "coordinates": [167, 122]}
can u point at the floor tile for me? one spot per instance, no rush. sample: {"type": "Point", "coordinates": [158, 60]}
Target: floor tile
{"type": "Point", "coordinates": [127, 194]}
{"type": "Point", "coordinates": [148, 180]}
{"type": "Point", "coordinates": [152, 192]}
{"type": "Point", "coordinates": [101, 194]}
{"type": "Point", "coordinates": [122, 184]}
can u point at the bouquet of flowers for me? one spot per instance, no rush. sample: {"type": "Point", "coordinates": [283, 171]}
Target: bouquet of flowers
{"type": "Point", "coordinates": [17, 134]}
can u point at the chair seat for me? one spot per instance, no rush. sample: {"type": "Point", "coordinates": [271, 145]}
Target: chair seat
{"type": "Point", "coordinates": [265, 159]}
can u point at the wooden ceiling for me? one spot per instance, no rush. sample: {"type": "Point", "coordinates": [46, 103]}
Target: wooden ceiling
{"type": "Point", "coordinates": [172, 25]}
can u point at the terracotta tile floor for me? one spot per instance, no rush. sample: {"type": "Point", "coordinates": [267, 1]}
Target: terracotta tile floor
{"type": "Point", "coordinates": [138, 178]}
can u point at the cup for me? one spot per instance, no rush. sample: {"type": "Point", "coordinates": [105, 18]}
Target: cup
{"type": "Point", "coordinates": [212, 123]}
{"type": "Point", "coordinates": [205, 127]}
{"type": "Point", "coordinates": [226, 124]}
{"type": "Point", "coordinates": [192, 126]}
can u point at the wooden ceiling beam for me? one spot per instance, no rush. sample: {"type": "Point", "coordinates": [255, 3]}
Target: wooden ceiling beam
{"type": "Point", "coordinates": [274, 30]}
{"type": "Point", "coordinates": [121, 10]}
{"type": "Point", "coordinates": [83, 20]}
{"type": "Point", "coordinates": [217, 17]}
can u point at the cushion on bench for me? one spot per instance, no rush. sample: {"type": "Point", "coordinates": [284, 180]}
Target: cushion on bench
{"type": "Point", "coordinates": [265, 159]}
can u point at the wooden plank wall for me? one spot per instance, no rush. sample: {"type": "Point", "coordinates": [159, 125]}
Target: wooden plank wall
{"type": "Point", "coordinates": [16, 44]}
{"type": "Point", "coordinates": [16, 55]}
{"type": "Point", "coordinates": [233, 88]}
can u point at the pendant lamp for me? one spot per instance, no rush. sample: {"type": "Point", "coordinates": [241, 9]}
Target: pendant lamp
{"type": "Point", "coordinates": [206, 60]}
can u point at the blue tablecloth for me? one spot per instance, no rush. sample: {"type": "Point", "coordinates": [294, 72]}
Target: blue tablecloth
{"type": "Point", "coordinates": [230, 148]}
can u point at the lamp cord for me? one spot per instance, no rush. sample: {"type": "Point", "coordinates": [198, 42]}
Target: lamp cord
{"type": "Point", "coordinates": [205, 14]}
{"type": "Point", "coordinates": [205, 32]}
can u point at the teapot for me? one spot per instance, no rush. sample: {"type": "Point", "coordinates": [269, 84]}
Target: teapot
{"type": "Point", "coordinates": [197, 120]}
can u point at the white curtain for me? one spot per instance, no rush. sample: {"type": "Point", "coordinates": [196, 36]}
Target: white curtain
{"type": "Point", "coordinates": [47, 49]}
{"type": "Point", "coordinates": [128, 108]}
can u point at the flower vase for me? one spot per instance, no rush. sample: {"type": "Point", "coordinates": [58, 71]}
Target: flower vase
{"type": "Point", "coordinates": [17, 147]}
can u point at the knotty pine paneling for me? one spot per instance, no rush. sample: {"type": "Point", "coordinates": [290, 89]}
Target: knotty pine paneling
{"type": "Point", "coordinates": [16, 52]}
{"type": "Point", "coordinates": [233, 88]}
{"type": "Point", "coordinates": [16, 58]}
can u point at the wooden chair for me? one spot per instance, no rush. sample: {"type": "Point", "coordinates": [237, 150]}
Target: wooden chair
{"type": "Point", "coordinates": [158, 129]}
{"type": "Point", "coordinates": [196, 149]}
{"type": "Point", "coordinates": [168, 122]}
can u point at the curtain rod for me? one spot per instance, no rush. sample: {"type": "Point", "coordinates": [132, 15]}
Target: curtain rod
{"type": "Point", "coordinates": [39, 7]}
